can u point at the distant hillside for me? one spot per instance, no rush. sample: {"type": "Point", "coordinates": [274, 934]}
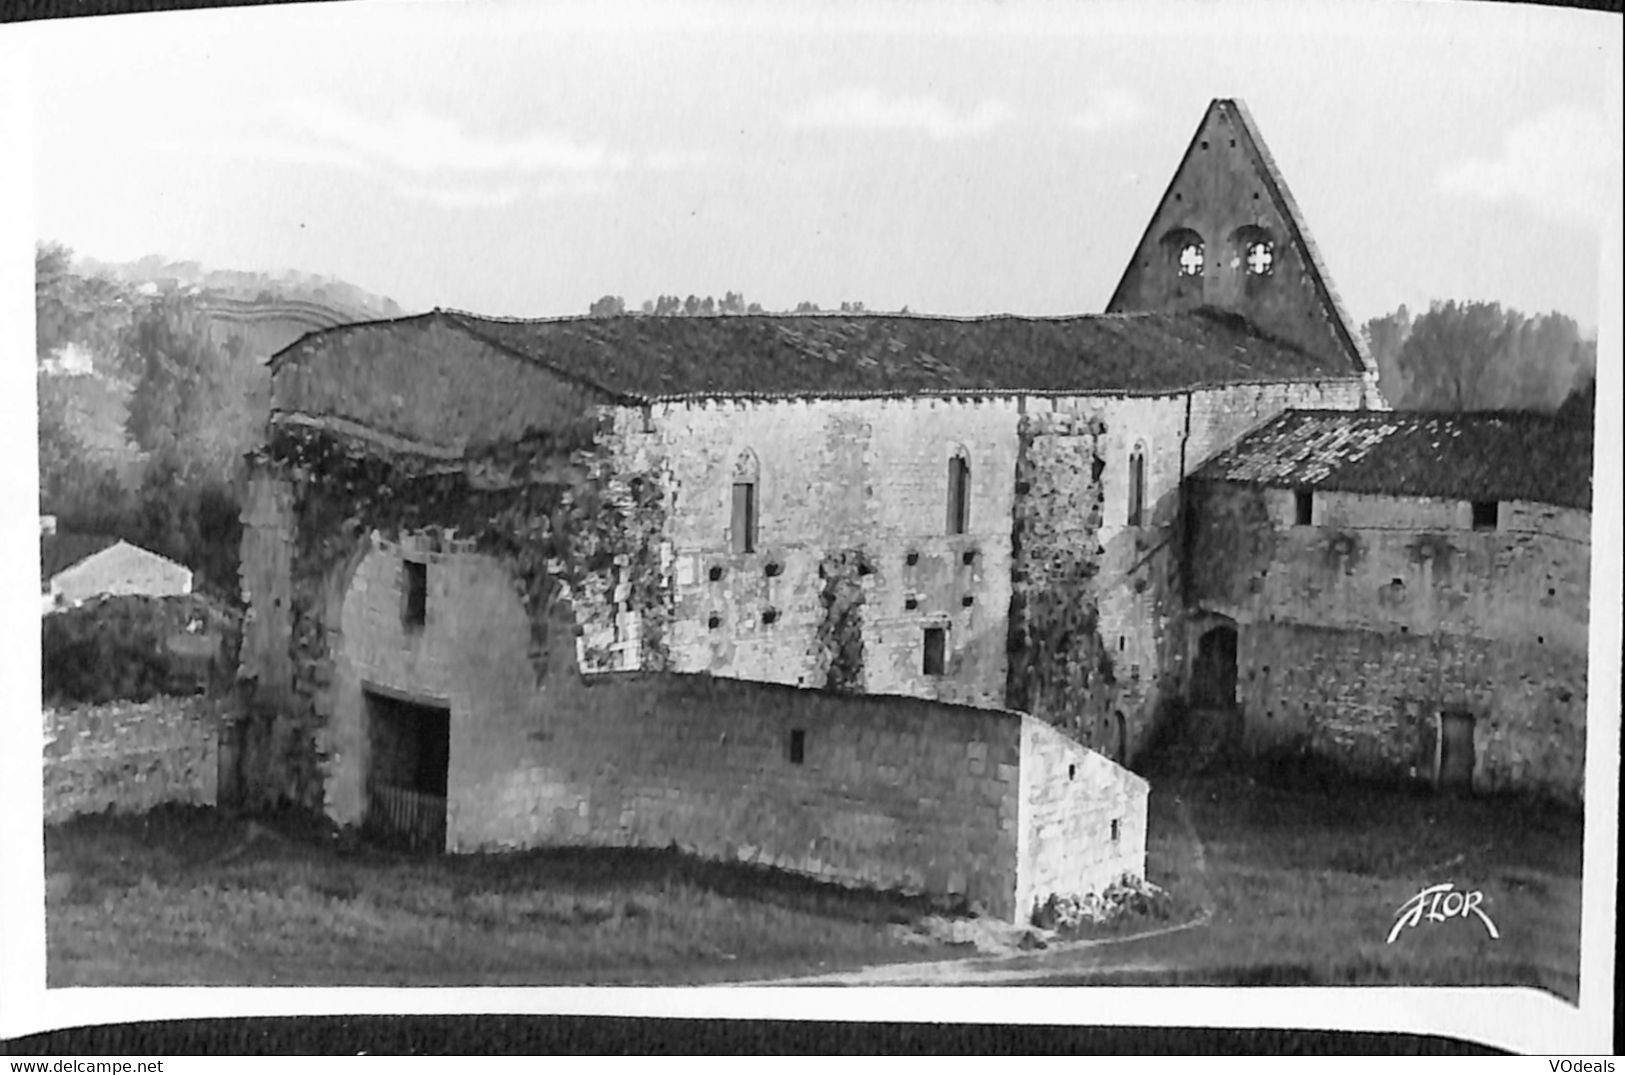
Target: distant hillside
{"type": "Point", "coordinates": [267, 311]}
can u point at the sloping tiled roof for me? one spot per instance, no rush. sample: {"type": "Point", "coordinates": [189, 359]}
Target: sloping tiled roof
{"type": "Point", "coordinates": [1477, 456]}
{"type": "Point", "coordinates": [645, 357]}
{"type": "Point", "coordinates": [62, 550]}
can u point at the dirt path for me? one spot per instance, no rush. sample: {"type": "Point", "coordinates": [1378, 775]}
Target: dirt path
{"type": "Point", "coordinates": [1066, 959]}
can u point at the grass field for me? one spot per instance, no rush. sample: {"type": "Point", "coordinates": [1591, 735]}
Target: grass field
{"type": "Point", "coordinates": [1290, 885]}
{"type": "Point", "coordinates": [1304, 883]}
{"type": "Point", "coordinates": [180, 897]}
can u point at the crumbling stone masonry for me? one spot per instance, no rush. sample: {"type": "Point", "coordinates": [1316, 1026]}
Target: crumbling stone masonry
{"type": "Point", "coordinates": [1060, 670]}
{"type": "Point", "coordinates": [1363, 630]}
{"type": "Point", "coordinates": [128, 757]}
{"type": "Point", "coordinates": [560, 515]}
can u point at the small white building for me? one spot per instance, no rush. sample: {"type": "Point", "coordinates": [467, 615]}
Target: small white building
{"type": "Point", "coordinates": [119, 569]}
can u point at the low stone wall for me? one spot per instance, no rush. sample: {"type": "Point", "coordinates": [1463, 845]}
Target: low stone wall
{"type": "Point", "coordinates": [1082, 820]}
{"type": "Point", "coordinates": [888, 792]}
{"type": "Point", "coordinates": [128, 757]}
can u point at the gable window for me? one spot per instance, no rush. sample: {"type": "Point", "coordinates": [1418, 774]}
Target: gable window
{"type": "Point", "coordinates": [1186, 251]}
{"type": "Point", "coordinates": [936, 647]}
{"type": "Point", "coordinates": [798, 746]}
{"type": "Point", "coordinates": [1254, 248]}
{"type": "Point", "coordinates": [1191, 258]}
{"type": "Point", "coordinates": [958, 493]}
{"type": "Point", "coordinates": [1136, 486]}
{"type": "Point", "coordinates": [415, 587]}
{"type": "Point", "coordinates": [1303, 507]}
{"type": "Point", "coordinates": [742, 528]}
{"type": "Point", "coordinates": [1260, 258]}
{"type": "Point", "coordinates": [1486, 514]}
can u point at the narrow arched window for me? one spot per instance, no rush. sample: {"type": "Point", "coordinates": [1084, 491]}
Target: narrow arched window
{"type": "Point", "coordinates": [959, 492]}
{"type": "Point", "coordinates": [1136, 486]}
{"type": "Point", "coordinates": [742, 530]}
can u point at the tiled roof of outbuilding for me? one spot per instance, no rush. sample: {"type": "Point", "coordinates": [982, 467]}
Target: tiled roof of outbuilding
{"type": "Point", "coordinates": [1474, 456]}
{"type": "Point", "coordinates": [639, 358]}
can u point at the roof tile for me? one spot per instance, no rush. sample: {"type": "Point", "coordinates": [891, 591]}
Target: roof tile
{"type": "Point", "coordinates": [1473, 456]}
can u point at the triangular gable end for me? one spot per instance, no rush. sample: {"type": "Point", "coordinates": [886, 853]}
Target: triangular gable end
{"type": "Point", "coordinates": [1228, 234]}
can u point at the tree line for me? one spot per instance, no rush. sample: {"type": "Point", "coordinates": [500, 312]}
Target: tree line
{"type": "Point", "coordinates": [194, 405]}
{"type": "Point", "coordinates": [1475, 356]}
{"type": "Point", "coordinates": [709, 306]}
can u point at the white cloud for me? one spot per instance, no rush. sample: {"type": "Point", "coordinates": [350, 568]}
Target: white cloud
{"type": "Point", "coordinates": [867, 109]}
{"type": "Point", "coordinates": [419, 143]}
{"type": "Point", "coordinates": [1109, 110]}
{"type": "Point", "coordinates": [1561, 163]}
{"type": "Point", "coordinates": [423, 157]}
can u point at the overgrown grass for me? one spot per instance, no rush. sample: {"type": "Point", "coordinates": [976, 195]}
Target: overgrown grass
{"type": "Point", "coordinates": [181, 897]}
{"type": "Point", "coordinates": [1305, 881]}
{"type": "Point", "coordinates": [1291, 885]}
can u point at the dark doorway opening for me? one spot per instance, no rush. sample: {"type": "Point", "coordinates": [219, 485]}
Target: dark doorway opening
{"type": "Point", "coordinates": [1120, 740]}
{"type": "Point", "coordinates": [1456, 751]}
{"type": "Point", "coordinates": [1213, 675]}
{"type": "Point", "coordinates": [406, 781]}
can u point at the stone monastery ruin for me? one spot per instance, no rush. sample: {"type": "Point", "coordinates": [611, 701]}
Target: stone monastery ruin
{"type": "Point", "coordinates": [888, 599]}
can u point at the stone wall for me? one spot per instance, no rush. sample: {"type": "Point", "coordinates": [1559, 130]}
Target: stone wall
{"type": "Point", "coordinates": [1083, 818]}
{"type": "Point", "coordinates": [566, 511]}
{"type": "Point", "coordinates": [889, 792]}
{"type": "Point", "coordinates": [1372, 701]}
{"type": "Point", "coordinates": [128, 757]}
{"type": "Point", "coordinates": [1225, 195]}
{"type": "Point", "coordinates": [1356, 631]}
{"type": "Point", "coordinates": [844, 486]}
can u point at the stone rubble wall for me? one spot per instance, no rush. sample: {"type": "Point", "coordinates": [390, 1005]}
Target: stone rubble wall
{"type": "Point", "coordinates": [128, 757]}
{"type": "Point", "coordinates": [1355, 632]}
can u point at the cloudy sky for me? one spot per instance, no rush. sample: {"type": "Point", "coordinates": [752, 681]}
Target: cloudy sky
{"type": "Point", "coordinates": [960, 157]}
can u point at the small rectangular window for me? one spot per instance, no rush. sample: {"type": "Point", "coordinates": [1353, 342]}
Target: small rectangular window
{"type": "Point", "coordinates": [744, 517]}
{"type": "Point", "coordinates": [798, 746]}
{"type": "Point", "coordinates": [958, 495]}
{"type": "Point", "coordinates": [936, 646]}
{"type": "Point", "coordinates": [1304, 507]}
{"type": "Point", "coordinates": [416, 584]}
{"type": "Point", "coordinates": [1117, 829]}
{"type": "Point", "coordinates": [1486, 514]}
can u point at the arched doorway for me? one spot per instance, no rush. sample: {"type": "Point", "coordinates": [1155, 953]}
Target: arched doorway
{"type": "Point", "coordinates": [1213, 673]}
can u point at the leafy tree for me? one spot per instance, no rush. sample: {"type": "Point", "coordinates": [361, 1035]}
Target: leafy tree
{"type": "Point", "coordinates": [807, 308]}
{"type": "Point", "coordinates": [1384, 336]}
{"type": "Point", "coordinates": [1479, 356]}
{"type": "Point", "coordinates": [190, 398]}
{"type": "Point", "coordinates": [608, 306]}
{"type": "Point", "coordinates": [73, 309]}
{"type": "Point", "coordinates": [1581, 403]}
